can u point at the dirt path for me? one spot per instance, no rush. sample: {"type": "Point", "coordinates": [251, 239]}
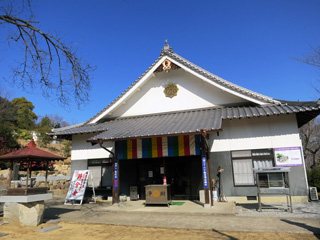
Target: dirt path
{"type": "Point", "coordinates": [111, 232]}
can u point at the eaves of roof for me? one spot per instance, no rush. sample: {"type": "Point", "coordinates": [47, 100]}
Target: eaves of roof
{"type": "Point", "coordinates": [188, 121]}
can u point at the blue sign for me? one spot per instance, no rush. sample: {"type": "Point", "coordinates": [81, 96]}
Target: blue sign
{"type": "Point", "coordinates": [204, 172]}
{"type": "Point", "coordinates": [115, 176]}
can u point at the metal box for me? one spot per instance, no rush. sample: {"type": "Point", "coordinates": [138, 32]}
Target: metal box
{"type": "Point", "coordinates": [158, 194]}
{"type": "Point", "coordinates": [134, 193]}
{"type": "Point", "coordinates": [314, 194]}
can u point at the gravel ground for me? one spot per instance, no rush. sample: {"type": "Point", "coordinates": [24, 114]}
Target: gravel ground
{"type": "Point", "coordinates": [307, 210]}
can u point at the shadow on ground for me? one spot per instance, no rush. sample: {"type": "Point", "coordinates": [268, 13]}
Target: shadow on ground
{"type": "Point", "coordinates": [255, 206]}
{"type": "Point", "coordinates": [55, 212]}
{"type": "Point", "coordinates": [314, 230]}
{"type": "Point", "coordinates": [250, 206]}
{"type": "Point", "coordinates": [224, 234]}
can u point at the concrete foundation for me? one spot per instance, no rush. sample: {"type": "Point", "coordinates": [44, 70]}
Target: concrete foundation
{"type": "Point", "coordinates": [268, 199]}
{"type": "Point", "coordinates": [25, 198]}
{"type": "Point", "coordinates": [28, 214]}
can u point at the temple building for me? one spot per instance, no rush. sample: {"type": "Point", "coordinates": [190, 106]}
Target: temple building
{"type": "Point", "coordinates": [178, 124]}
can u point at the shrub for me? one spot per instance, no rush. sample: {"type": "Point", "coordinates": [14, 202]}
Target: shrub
{"type": "Point", "coordinates": [24, 134]}
{"type": "Point", "coordinates": [66, 148]}
{"type": "Point", "coordinates": [314, 177]}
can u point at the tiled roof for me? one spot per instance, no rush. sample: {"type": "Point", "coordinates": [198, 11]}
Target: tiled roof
{"type": "Point", "coordinates": [169, 52]}
{"type": "Point", "coordinates": [248, 112]}
{"type": "Point", "coordinates": [162, 124]}
{"type": "Point", "coordinates": [189, 121]}
{"type": "Point", "coordinates": [84, 128]}
{"type": "Point", "coordinates": [31, 152]}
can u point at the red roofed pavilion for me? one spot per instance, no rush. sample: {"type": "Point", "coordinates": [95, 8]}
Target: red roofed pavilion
{"type": "Point", "coordinates": [29, 154]}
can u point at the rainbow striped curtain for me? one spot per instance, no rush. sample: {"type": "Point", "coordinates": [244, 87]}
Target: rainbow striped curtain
{"type": "Point", "coordinates": [172, 146]}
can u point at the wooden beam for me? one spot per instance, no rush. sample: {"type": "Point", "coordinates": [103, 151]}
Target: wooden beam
{"type": "Point", "coordinates": [28, 172]}
{"type": "Point", "coordinates": [47, 163]}
{"type": "Point", "coordinates": [10, 172]}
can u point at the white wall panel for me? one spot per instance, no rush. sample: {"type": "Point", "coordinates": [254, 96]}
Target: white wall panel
{"type": "Point", "coordinates": [193, 93]}
{"type": "Point", "coordinates": [255, 133]}
{"type": "Point", "coordinates": [81, 149]}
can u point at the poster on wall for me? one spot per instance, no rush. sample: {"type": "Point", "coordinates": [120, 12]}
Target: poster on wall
{"type": "Point", "coordinates": [77, 187]}
{"type": "Point", "coordinates": [288, 156]}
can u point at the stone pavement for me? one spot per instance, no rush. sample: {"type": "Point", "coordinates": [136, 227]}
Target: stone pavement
{"type": "Point", "coordinates": [179, 207]}
{"type": "Point", "coordinates": [104, 214]}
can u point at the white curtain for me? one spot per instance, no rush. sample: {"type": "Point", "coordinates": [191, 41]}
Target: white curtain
{"type": "Point", "coordinates": [262, 164]}
{"type": "Point", "coordinates": [243, 172]}
{"type": "Point", "coordinates": [96, 175]}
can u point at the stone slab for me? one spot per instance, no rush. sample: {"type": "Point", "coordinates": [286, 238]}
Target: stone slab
{"type": "Point", "coordinates": [49, 229]}
{"type": "Point", "coordinates": [28, 214]}
{"type": "Point", "coordinates": [26, 198]}
{"type": "Point", "coordinates": [3, 234]}
{"type": "Point", "coordinates": [31, 214]}
{"type": "Point", "coordinates": [10, 213]}
{"type": "Point", "coordinates": [53, 221]}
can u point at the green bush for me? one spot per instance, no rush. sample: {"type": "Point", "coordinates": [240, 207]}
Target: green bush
{"type": "Point", "coordinates": [314, 177]}
{"type": "Point", "coordinates": [53, 149]}
{"type": "Point", "coordinates": [24, 134]}
{"type": "Point", "coordinates": [66, 149]}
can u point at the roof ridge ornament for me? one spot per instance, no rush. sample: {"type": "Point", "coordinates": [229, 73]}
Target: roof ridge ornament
{"type": "Point", "coordinates": [166, 48]}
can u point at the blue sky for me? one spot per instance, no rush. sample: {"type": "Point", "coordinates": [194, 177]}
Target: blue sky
{"type": "Point", "coordinates": [254, 44]}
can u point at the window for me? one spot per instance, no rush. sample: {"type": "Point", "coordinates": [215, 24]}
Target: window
{"type": "Point", "coordinates": [243, 172]}
{"type": "Point", "coordinates": [272, 180]}
{"type": "Point", "coordinates": [101, 170]}
{"type": "Point", "coordinates": [244, 163]}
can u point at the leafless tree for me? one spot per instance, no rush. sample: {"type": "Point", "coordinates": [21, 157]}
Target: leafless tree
{"type": "Point", "coordinates": [310, 135]}
{"type": "Point", "coordinates": [313, 59]}
{"type": "Point", "coordinates": [47, 61]}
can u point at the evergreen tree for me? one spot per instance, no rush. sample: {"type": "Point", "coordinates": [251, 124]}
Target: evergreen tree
{"type": "Point", "coordinates": [45, 127]}
{"type": "Point", "coordinates": [7, 120]}
{"type": "Point", "coordinates": [25, 117]}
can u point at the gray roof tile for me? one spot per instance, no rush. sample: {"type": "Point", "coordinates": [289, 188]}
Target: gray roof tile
{"type": "Point", "coordinates": [189, 121]}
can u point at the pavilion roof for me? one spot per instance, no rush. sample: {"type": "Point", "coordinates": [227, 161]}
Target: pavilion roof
{"type": "Point", "coordinates": [30, 152]}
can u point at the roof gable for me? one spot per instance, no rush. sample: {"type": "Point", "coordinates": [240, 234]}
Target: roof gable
{"type": "Point", "coordinates": [180, 62]}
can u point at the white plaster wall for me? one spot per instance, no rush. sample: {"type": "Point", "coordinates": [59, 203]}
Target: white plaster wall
{"type": "Point", "coordinates": [81, 149]}
{"type": "Point", "coordinates": [193, 93]}
{"type": "Point", "coordinates": [255, 133]}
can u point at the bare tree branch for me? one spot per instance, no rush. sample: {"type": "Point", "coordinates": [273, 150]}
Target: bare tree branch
{"type": "Point", "coordinates": [310, 136]}
{"type": "Point", "coordinates": [313, 59]}
{"type": "Point", "coordinates": [44, 55]}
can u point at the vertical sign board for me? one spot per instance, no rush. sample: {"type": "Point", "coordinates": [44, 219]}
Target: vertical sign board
{"type": "Point", "coordinates": [116, 177]}
{"type": "Point", "coordinates": [204, 172]}
{"type": "Point", "coordinates": [78, 186]}
{"type": "Point", "coordinates": [288, 156]}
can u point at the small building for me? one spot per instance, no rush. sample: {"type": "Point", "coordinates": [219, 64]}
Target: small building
{"type": "Point", "coordinates": [179, 123]}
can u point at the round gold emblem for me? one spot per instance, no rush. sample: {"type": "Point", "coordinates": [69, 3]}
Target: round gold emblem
{"type": "Point", "coordinates": [171, 90]}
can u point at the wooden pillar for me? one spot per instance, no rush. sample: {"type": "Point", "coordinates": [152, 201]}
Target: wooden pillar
{"type": "Point", "coordinates": [115, 181]}
{"type": "Point", "coordinates": [210, 181]}
{"type": "Point", "coordinates": [205, 168]}
{"type": "Point", "coordinates": [47, 163]}
{"type": "Point", "coordinates": [115, 174]}
{"type": "Point", "coordinates": [28, 172]}
{"type": "Point", "coordinates": [10, 172]}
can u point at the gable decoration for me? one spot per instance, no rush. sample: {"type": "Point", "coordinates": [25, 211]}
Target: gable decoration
{"type": "Point", "coordinates": [171, 90]}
